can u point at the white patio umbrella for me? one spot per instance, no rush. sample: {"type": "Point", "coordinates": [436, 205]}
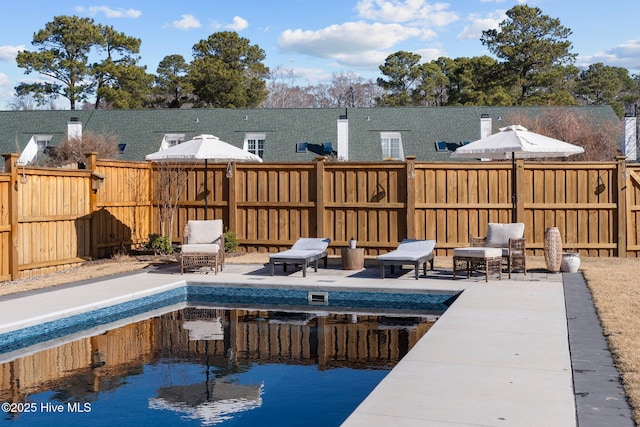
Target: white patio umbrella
{"type": "Point", "coordinates": [516, 142]}
{"type": "Point", "coordinates": [212, 402]}
{"type": "Point", "coordinates": [207, 148]}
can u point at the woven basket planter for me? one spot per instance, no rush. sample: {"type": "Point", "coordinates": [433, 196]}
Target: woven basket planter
{"type": "Point", "coordinates": [553, 249]}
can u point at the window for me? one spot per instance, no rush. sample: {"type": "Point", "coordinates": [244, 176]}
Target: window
{"type": "Point", "coordinates": [254, 143]}
{"type": "Point", "coordinates": [327, 147]}
{"type": "Point", "coordinates": [391, 146]}
{"type": "Point", "coordinates": [441, 146]}
{"type": "Point", "coordinates": [42, 142]}
{"type": "Point", "coordinates": [301, 147]}
{"type": "Point", "coordinates": [171, 139]}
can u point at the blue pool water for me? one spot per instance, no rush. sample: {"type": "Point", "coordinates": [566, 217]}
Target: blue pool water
{"type": "Point", "coordinates": [228, 356]}
{"type": "Point", "coordinates": [244, 296]}
{"type": "Point", "coordinates": [132, 402]}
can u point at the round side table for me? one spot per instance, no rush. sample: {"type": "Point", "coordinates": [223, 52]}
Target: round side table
{"type": "Point", "coordinates": [352, 259]}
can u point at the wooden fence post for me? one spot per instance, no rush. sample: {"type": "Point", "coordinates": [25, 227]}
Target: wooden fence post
{"type": "Point", "coordinates": [232, 203]}
{"type": "Point", "coordinates": [11, 167]}
{"type": "Point", "coordinates": [621, 176]}
{"type": "Point", "coordinates": [92, 158]}
{"type": "Point", "coordinates": [320, 196]}
{"type": "Point", "coordinates": [411, 197]}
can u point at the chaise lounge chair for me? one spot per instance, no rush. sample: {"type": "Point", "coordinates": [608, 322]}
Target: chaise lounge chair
{"type": "Point", "coordinates": [304, 251]}
{"type": "Point", "coordinates": [409, 251]}
{"type": "Point", "coordinates": [203, 245]}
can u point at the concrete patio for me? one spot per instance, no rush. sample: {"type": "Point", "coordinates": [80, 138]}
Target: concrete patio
{"type": "Point", "coordinates": [500, 356]}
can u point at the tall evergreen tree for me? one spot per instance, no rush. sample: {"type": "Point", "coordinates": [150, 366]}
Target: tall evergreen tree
{"type": "Point", "coordinates": [601, 84]}
{"type": "Point", "coordinates": [63, 49]}
{"type": "Point", "coordinates": [227, 72]}
{"type": "Point", "coordinates": [535, 55]}
{"type": "Point", "coordinates": [172, 81]}
{"type": "Point", "coordinates": [120, 82]}
{"type": "Point", "coordinates": [404, 75]}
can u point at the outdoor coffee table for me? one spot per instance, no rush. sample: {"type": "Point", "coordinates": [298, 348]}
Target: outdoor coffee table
{"type": "Point", "coordinates": [487, 260]}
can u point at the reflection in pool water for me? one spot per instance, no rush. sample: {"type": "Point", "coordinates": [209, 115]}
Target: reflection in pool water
{"type": "Point", "coordinates": [203, 365]}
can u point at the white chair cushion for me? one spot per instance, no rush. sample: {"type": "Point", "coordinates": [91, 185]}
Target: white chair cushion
{"type": "Point", "coordinates": [421, 246]}
{"type": "Point", "coordinates": [498, 235]}
{"type": "Point", "coordinates": [410, 250]}
{"type": "Point", "coordinates": [200, 248]}
{"type": "Point", "coordinates": [477, 252]}
{"type": "Point", "coordinates": [300, 254]}
{"type": "Point", "coordinates": [310, 244]}
{"type": "Point", "coordinates": [204, 231]}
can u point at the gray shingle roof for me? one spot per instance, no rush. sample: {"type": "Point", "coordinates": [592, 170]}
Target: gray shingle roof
{"type": "Point", "coordinates": [143, 130]}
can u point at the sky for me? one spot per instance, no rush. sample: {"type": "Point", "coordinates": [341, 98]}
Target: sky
{"type": "Point", "coordinates": [311, 40]}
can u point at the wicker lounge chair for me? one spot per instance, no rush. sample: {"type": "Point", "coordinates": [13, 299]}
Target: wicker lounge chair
{"type": "Point", "coordinates": [508, 237]}
{"type": "Point", "coordinates": [203, 245]}
{"type": "Point", "coordinates": [304, 251]}
{"type": "Point", "coordinates": [409, 251]}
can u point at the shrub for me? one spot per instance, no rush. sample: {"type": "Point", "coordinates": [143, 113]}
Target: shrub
{"type": "Point", "coordinates": [161, 245]}
{"type": "Point", "coordinates": [230, 240]}
{"type": "Point", "coordinates": [73, 150]}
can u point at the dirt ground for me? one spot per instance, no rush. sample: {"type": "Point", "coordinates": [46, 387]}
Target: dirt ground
{"type": "Point", "coordinates": [613, 282]}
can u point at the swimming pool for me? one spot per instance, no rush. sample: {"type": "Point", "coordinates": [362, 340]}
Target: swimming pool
{"type": "Point", "coordinates": [232, 296]}
{"type": "Point", "coordinates": [244, 354]}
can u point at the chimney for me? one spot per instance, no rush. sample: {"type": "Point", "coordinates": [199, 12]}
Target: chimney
{"type": "Point", "coordinates": [343, 138]}
{"type": "Point", "coordinates": [629, 143]}
{"type": "Point", "coordinates": [485, 126]}
{"type": "Point", "coordinates": [74, 128]}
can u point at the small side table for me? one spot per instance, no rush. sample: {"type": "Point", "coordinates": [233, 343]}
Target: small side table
{"type": "Point", "coordinates": [352, 259]}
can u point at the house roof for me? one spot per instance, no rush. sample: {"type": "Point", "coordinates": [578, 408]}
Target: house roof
{"type": "Point", "coordinates": [143, 130]}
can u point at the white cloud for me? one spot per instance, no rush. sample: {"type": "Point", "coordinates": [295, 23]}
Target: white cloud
{"type": "Point", "coordinates": [430, 54]}
{"type": "Point", "coordinates": [371, 59]}
{"type": "Point", "coordinates": [626, 55]}
{"type": "Point", "coordinates": [310, 75]}
{"type": "Point", "coordinates": [9, 53]}
{"type": "Point", "coordinates": [353, 44]}
{"type": "Point", "coordinates": [479, 23]}
{"type": "Point", "coordinates": [186, 22]}
{"type": "Point", "coordinates": [238, 24]}
{"type": "Point", "coordinates": [414, 11]}
{"type": "Point", "coordinates": [347, 38]}
{"type": "Point", "coordinates": [4, 80]}
{"type": "Point", "coordinates": [109, 12]}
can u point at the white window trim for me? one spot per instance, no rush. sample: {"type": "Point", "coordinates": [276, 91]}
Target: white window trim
{"type": "Point", "coordinates": [256, 136]}
{"type": "Point", "coordinates": [386, 139]}
{"type": "Point", "coordinates": [171, 139]}
{"type": "Point", "coordinates": [32, 151]}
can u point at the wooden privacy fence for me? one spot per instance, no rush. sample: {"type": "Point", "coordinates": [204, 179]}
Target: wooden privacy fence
{"type": "Point", "coordinates": [52, 219]}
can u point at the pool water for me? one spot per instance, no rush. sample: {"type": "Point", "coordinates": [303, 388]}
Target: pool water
{"type": "Point", "coordinates": [198, 363]}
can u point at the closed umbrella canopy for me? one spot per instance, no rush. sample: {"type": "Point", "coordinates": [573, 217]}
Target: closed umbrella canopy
{"type": "Point", "coordinates": [207, 148]}
{"type": "Point", "coordinates": [516, 142]}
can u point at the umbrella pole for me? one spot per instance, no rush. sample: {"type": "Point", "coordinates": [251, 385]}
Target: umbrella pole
{"type": "Point", "coordinates": [206, 191]}
{"type": "Point", "coordinates": [513, 187]}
